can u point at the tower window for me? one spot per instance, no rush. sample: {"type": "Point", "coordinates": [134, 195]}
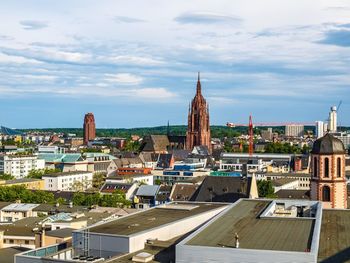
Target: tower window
{"type": "Point", "coordinates": [326, 194]}
{"type": "Point", "coordinates": [315, 166]}
{"type": "Point", "coordinates": [339, 167]}
{"type": "Point", "coordinates": [326, 167]}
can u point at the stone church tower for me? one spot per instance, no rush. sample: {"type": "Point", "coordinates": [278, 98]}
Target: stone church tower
{"type": "Point", "coordinates": [198, 129]}
{"type": "Point", "coordinates": [328, 182]}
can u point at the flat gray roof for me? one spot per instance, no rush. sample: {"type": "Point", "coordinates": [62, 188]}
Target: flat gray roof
{"type": "Point", "coordinates": [283, 234]}
{"type": "Point", "coordinates": [335, 236]}
{"type": "Point", "coordinates": [153, 218]}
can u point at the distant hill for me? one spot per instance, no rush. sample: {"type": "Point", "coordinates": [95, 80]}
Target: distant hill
{"type": "Point", "coordinates": [216, 130]}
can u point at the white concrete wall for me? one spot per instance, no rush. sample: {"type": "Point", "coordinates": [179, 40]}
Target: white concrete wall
{"type": "Point", "coordinates": [201, 254]}
{"type": "Point", "coordinates": [171, 230]}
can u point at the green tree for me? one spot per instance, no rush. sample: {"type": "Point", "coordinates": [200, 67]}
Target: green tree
{"type": "Point", "coordinates": [265, 189]}
{"type": "Point", "coordinates": [39, 173]}
{"type": "Point", "coordinates": [4, 176]}
{"type": "Point", "coordinates": [98, 179]}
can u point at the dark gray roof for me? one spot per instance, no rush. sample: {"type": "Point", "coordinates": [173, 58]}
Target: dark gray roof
{"type": "Point", "coordinates": [293, 194]}
{"type": "Point", "coordinates": [7, 254]}
{"type": "Point", "coordinates": [148, 190]}
{"type": "Point", "coordinates": [328, 144]}
{"type": "Point", "coordinates": [183, 191]}
{"type": "Point", "coordinates": [222, 189]}
{"type": "Point", "coordinates": [62, 233]}
{"type": "Point", "coordinates": [154, 143]}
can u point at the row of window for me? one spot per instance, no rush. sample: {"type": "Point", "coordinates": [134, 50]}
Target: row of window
{"type": "Point", "coordinates": [326, 167]}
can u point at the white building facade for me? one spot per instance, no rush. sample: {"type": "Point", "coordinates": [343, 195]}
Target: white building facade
{"type": "Point", "coordinates": [20, 166]}
{"type": "Point", "coordinates": [68, 181]}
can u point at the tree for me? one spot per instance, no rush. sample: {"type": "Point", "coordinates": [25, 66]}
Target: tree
{"type": "Point", "coordinates": [39, 173]}
{"type": "Point", "coordinates": [98, 179]}
{"type": "Point", "coordinates": [4, 176]}
{"type": "Point", "coordinates": [265, 189]}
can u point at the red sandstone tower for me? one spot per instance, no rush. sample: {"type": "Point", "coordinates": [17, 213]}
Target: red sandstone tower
{"type": "Point", "coordinates": [198, 130]}
{"type": "Point", "coordinates": [89, 128]}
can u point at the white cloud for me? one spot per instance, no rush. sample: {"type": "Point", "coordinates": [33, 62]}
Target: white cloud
{"type": "Point", "coordinates": [124, 78]}
{"type": "Point", "coordinates": [136, 60]}
{"type": "Point", "coordinates": [4, 58]}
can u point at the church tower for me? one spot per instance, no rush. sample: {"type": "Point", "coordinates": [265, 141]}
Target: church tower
{"type": "Point", "coordinates": [328, 182]}
{"type": "Point", "coordinates": [198, 129]}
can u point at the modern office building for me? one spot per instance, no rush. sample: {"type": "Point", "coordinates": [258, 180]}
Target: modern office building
{"type": "Point", "coordinates": [320, 131]}
{"type": "Point", "coordinates": [332, 122]}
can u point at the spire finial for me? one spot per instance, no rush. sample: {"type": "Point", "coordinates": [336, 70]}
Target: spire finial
{"type": "Point", "coordinates": [199, 75]}
{"type": "Point", "coordinates": [199, 89]}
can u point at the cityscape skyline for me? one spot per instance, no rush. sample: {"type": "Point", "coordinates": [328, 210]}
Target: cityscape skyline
{"type": "Point", "coordinates": [278, 61]}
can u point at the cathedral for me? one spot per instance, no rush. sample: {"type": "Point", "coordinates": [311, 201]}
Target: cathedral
{"type": "Point", "coordinates": [198, 129]}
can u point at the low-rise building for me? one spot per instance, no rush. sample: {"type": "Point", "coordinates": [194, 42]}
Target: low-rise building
{"type": "Point", "coordinates": [68, 181]}
{"type": "Point", "coordinates": [29, 183]}
{"type": "Point", "coordinates": [16, 211]}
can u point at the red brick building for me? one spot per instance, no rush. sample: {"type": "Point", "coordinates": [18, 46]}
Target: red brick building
{"type": "Point", "coordinates": [198, 130]}
{"type": "Point", "coordinates": [89, 128]}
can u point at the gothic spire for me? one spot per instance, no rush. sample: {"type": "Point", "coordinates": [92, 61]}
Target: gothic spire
{"type": "Point", "coordinates": [199, 89]}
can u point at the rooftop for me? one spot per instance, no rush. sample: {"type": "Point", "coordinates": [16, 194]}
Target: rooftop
{"type": "Point", "coordinates": [19, 207]}
{"type": "Point", "coordinates": [255, 232]}
{"type": "Point", "coordinates": [153, 218]}
{"type": "Point", "coordinates": [66, 174]}
{"type": "Point", "coordinates": [334, 238]}
{"type": "Point", "coordinates": [7, 254]}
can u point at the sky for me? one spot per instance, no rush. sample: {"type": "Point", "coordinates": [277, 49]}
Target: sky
{"type": "Point", "coordinates": [134, 63]}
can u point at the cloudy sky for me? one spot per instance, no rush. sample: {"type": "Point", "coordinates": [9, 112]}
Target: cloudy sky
{"type": "Point", "coordinates": [134, 63]}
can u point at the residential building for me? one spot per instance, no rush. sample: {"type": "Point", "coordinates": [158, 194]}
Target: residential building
{"type": "Point", "coordinates": [294, 130]}
{"type": "Point", "coordinates": [68, 181]}
{"type": "Point", "coordinates": [110, 186]}
{"type": "Point", "coordinates": [29, 183]}
{"type": "Point", "coordinates": [258, 162]}
{"type": "Point", "coordinates": [145, 196]}
{"type": "Point", "coordinates": [183, 191]}
{"type": "Point", "coordinates": [19, 166]}
{"type": "Point", "coordinates": [16, 211]}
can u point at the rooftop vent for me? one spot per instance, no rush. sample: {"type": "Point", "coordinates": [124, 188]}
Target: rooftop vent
{"type": "Point", "coordinates": [143, 257]}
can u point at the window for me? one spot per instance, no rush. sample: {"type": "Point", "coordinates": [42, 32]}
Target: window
{"type": "Point", "coordinates": [11, 241]}
{"type": "Point", "coordinates": [326, 194]}
{"type": "Point", "coordinates": [315, 166]}
{"type": "Point", "coordinates": [339, 167]}
{"type": "Point", "coordinates": [26, 242]}
{"type": "Point", "coordinates": [326, 167]}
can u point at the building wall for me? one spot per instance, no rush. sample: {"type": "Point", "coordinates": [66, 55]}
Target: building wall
{"type": "Point", "coordinates": [185, 253]}
{"type": "Point", "coordinates": [337, 185]}
{"type": "Point", "coordinates": [19, 166]}
{"type": "Point", "coordinates": [34, 185]}
{"type": "Point", "coordinates": [65, 183]}
{"type": "Point", "coordinates": [22, 241]}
